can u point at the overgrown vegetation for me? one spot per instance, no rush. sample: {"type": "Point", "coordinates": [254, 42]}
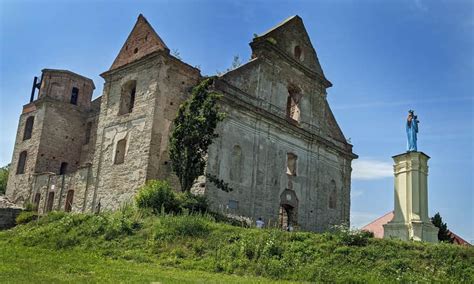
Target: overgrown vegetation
{"type": "Point", "coordinates": [236, 63]}
{"type": "Point", "coordinates": [4, 178]}
{"type": "Point", "coordinates": [159, 197]}
{"type": "Point", "coordinates": [197, 242]}
{"type": "Point", "coordinates": [193, 133]}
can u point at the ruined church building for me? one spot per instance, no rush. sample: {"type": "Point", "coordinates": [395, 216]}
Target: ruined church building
{"type": "Point", "coordinates": [279, 147]}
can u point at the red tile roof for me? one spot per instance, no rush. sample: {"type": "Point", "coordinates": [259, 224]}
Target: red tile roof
{"type": "Point", "coordinates": [376, 227]}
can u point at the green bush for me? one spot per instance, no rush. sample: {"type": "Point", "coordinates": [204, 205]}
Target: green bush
{"type": "Point", "coordinates": [350, 237]}
{"type": "Point", "coordinates": [170, 227]}
{"type": "Point", "coordinates": [26, 217]}
{"type": "Point", "coordinates": [193, 203]}
{"type": "Point", "coordinates": [159, 196]}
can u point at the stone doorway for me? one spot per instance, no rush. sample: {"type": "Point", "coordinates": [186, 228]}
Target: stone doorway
{"type": "Point", "coordinates": [288, 212]}
{"type": "Point", "coordinates": [286, 217]}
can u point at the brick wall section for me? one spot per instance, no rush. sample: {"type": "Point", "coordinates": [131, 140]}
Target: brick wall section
{"type": "Point", "coordinates": [142, 41]}
{"type": "Point", "coordinates": [58, 84]}
{"type": "Point", "coordinates": [8, 216]}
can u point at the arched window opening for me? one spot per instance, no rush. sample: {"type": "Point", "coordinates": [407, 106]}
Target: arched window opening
{"type": "Point", "coordinates": [236, 164]}
{"type": "Point", "coordinates": [63, 168]}
{"type": "Point", "coordinates": [74, 95]}
{"type": "Point", "coordinates": [127, 97]}
{"type": "Point", "coordinates": [293, 103]}
{"type": "Point", "coordinates": [120, 151]}
{"type": "Point", "coordinates": [297, 52]}
{"type": "Point", "coordinates": [50, 203]}
{"type": "Point", "coordinates": [28, 128]}
{"type": "Point", "coordinates": [291, 164]}
{"type": "Point", "coordinates": [20, 169]}
{"type": "Point", "coordinates": [88, 133]}
{"type": "Point", "coordinates": [69, 199]}
{"type": "Point", "coordinates": [332, 195]}
{"type": "Point", "coordinates": [36, 202]}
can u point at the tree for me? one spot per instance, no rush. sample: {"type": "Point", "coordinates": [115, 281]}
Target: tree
{"type": "Point", "coordinates": [4, 178]}
{"type": "Point", "coordinates": [193, 133]}
{"type": "Point", "coordinates": [443, 233]}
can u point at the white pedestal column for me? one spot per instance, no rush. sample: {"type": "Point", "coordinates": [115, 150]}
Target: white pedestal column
{"type": "Point", "coordinates": [411, 221]}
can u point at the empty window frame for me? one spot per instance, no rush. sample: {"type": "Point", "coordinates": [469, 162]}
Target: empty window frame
{"type": "Point", "coordinates": [297, 52]}
{"type": "Point", "coordinates": [88, 133]}
{"type": "Point", "coordinates": [50, 203]}
{"type": "Point", "coordinates": [293, 103]}
{"type": "Point", "coordinates": [28, 128]}
{"type": "Point", "coordinates": [74, 95]}
{"type": "Point", "coordinates": [63, 168]}
{"type": "Point", "coordinates": [120, 151]}
{"type": "Point", "coordinates": [291, 164]}
{"type": "Point", "coordinates": [20, 169]}
{"type": "Point", "coordinates": [127, 97]}
{"type": "Point", "coordinates": [69, 199]}
{"type": "Point", "coordinates": [36, 202]}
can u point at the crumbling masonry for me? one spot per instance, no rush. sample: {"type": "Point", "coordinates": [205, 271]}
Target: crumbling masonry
{"type": "Point", "coordinates": [279, 147]}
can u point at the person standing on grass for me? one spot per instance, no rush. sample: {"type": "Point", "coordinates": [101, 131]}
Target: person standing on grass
{"type": "Point", "coordinates": [259, 223]}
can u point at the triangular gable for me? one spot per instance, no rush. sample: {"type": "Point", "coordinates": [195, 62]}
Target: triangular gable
{"type": "Point", "coordinates": [289, 34]}
{"type": "Point", "coordinates": [141, 41]}
{"type": "Point", "coordinates": [332, 127]}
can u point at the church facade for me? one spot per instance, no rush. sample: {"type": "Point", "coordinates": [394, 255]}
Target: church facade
{"type": "Point", "coordinates": [279, 147]}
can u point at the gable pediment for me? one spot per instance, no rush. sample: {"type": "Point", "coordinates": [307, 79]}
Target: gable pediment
{"type": "Point", "coordinates": [291, 37]}
{"type": "Point", "coordinates": [141, 41]}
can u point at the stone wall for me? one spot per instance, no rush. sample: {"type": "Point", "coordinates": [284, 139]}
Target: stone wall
{"type": "Point", "coordinates": [264, 147]}
{"type": "Point", "coordinates": [80, 182]}
{"type": "Point", "coordinates": [161, 85]}
{"type": "Point", "coordinates": [8, 216]}
{"type": "Point", "coordinates": [18, 184]}
{"type": "Point", "coordinates": [258, 126]}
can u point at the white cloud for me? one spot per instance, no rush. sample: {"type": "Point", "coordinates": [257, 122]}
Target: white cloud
{"type": "Point", "coordinates": [420, 5]}
{"type": "Point", "coordinates": [369, 169]}
{"type": "Point", "coordinates": [360, 219]}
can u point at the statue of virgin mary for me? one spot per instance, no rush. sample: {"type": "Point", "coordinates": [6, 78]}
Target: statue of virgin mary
{"type": "Point", "coordinates": [412, 130]}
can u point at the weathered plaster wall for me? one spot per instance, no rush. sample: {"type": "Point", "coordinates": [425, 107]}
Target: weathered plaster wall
{"type": "Point", "coordinates": [18, 184]}
{"type": "Point", "coordinates": [264, 175]}
{"type": "Point", "coordinates": [79, 181]}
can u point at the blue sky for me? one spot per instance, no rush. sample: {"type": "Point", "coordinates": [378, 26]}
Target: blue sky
{"type": "Point", "coordinates": [383, 57]}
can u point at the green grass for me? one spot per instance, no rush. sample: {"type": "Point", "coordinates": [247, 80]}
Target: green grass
{"type": "Point", "coordinates": [132, 246]}
{"type": "Point", "coordinates": [21, 264]}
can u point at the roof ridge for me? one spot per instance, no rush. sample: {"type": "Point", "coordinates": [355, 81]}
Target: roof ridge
{"type": "Point", "coordinates": [279, 25]}
{"type": "Point", "coordinates": [378, 218]}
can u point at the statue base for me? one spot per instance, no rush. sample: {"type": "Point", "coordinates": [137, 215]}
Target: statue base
{"type": "Point", "coordinates": [414, 230]}
{"type": "Point", "coordinates": [410, 220]}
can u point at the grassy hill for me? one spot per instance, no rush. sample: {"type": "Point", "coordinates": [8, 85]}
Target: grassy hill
{"type": "Point", "coordinates": [131, 246]}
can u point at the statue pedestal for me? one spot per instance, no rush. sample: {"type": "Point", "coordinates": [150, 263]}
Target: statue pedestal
{"type": "Point", "coordinates": [411, 221]}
